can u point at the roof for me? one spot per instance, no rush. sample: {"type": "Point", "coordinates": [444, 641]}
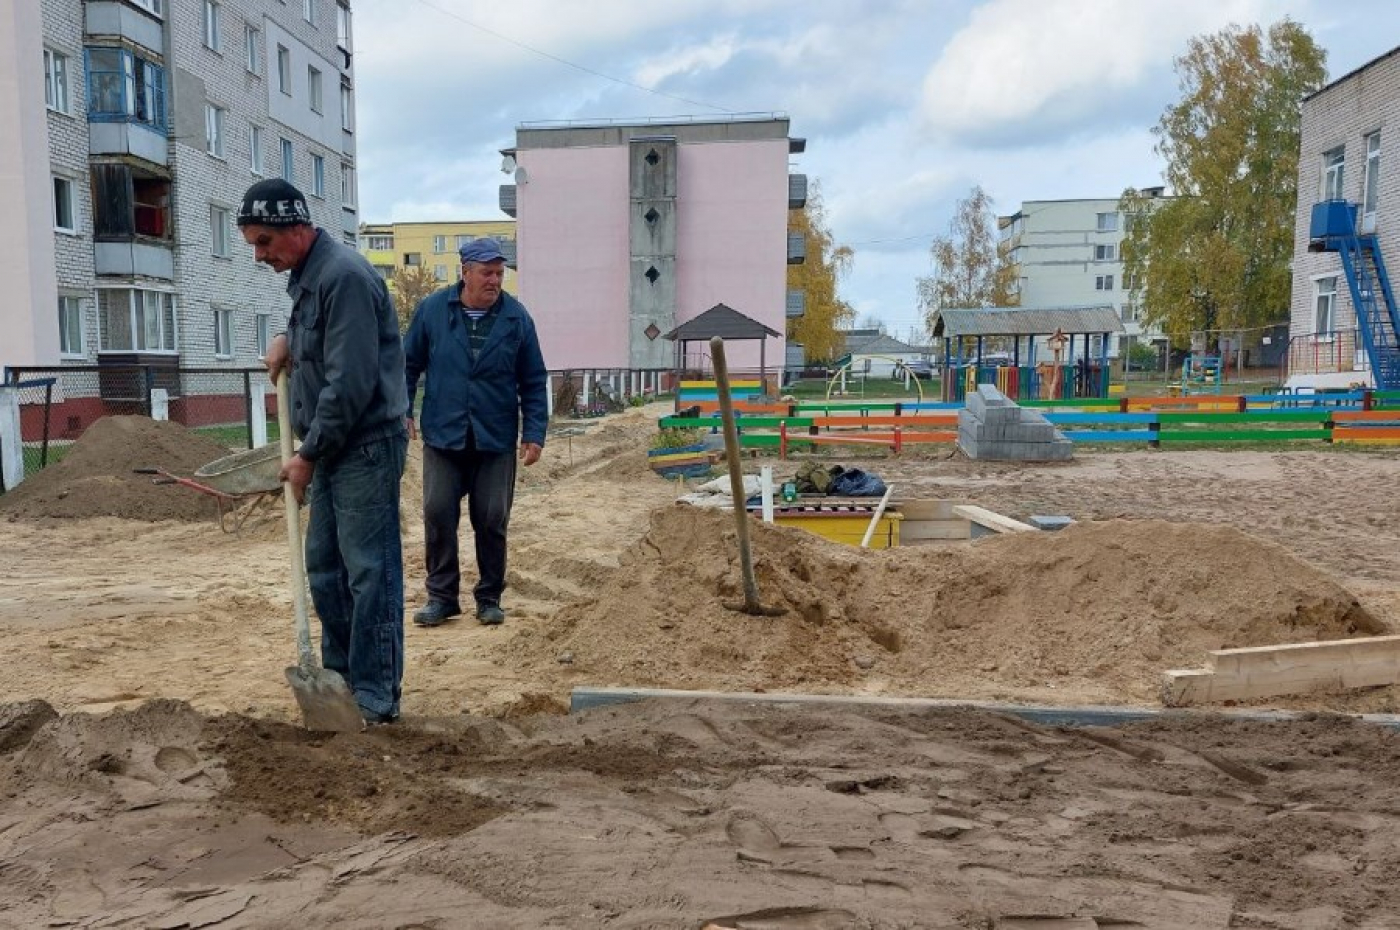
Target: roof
{"type": "Point", "coordinates": [882, 345]}
{"type": "Point", "coordinates": [1350, 74]}
{"type": "Point", "coordinates": [857, 337]}
{"type": "Point", "coordinates": [1025, 321]}
{"type": "Point", "coordinates": [723, 321]}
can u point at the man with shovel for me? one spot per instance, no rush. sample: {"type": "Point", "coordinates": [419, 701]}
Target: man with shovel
{"type": "Point", "coordinates": [348, 403]}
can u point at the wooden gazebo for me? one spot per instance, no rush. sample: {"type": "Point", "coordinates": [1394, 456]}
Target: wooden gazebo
{"type": "Point", "coordinates": [731, 326]}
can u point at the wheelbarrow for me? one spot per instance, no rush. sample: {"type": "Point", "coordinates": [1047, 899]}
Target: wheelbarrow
{"type": "Point", "coordinates": [242, 485]}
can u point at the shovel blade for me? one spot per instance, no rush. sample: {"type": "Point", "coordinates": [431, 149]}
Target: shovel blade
{"type": "Point", "coordinates": [326, 702]}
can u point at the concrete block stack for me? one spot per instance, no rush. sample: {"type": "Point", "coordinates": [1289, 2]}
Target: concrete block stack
{"type": "Point", "coordinates": [994, 428]}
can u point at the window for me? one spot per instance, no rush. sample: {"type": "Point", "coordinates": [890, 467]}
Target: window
{"type": "Point", "coordinates": [64, 212]}
{"type": "Point", "coordinates": [56, 80]}
{"type": "Point", "coordinates": [342, 26]}
{"type": "Point", "coordinates": [251, 37]}
{"type": "Point", "coordinates": [219, 231]}
{"type": "Point", "coordinates": [1108, 222]}
{"type": "Point", "coordinates": [380, 243]}
{"type": "Point", "coordinates": [385, 271]}
{"type": "Point", "coordinates": [255, 153]}
{"type": "Point", "coordinates": [127, 203]}
{"type": "Point", "coordinates": [1105, 253]}
{"type": "Point", "coordinates": [151, 6]}
{"type": "Point", "coordinates": [318, 176]}
{"type": "Point", "coordinates": [1334, 165]}
{"type": "Point", "coordinates": [1325, 304]}
{"type": "Point", "coordinates": [1103, 282]}
{"type": "Point", "coordinates": [284, 70]}
{"type": "Point", "coordinates": [347, 109]}
{"type": "Point", "coordinates": [1370, 187]}
{"type": "Point", "coordinates": [308, 11]}
{"type": "Point", "coordinates": [124, 88]}
{"type": "Point", "coordinates": [413, 259]}
{"type": "Point", "coordinates": [262, 332]}
{"type": "Point", "coordinates": [214, 130]}
{"type": "Point", "coordinates": [347, 186]}
{"type": "Point", "coordinates": [440, 272]}
{"type": "Point", "coordinates": [136, 320]}
{"type": "Point", "coordinates": [313, 87]}
{"type": "Point", "coordinates": [461, 241]}
{"type": "Point", "coordinates": [223, 333]}
{"type": "Point", "coordinates": [211, 24]}
{"type": "Point", "coordinates": [288, 160]}
{"type": "Point", "coordinates": [1130, 313]}
{"type": "Point", "coordinates": [1132, 282]}
{"type": "Point", "coordinates": [70, 326]}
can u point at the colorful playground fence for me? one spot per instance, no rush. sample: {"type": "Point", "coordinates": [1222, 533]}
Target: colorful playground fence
{"type": "Point", "coordinates": [1362, 416]}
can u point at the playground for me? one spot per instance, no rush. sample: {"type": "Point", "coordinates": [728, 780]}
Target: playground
{"type": "Point", "coordinates": [201, 802]}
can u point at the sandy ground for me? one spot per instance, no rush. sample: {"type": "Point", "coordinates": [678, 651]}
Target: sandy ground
{"type": "Point", "coordinates": [209, 807]}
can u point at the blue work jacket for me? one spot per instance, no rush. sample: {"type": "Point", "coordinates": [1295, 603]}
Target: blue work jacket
{"type": "Point", "coordinates": [500, 396]}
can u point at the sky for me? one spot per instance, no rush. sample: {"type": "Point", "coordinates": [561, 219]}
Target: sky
{"type": "Point", "coordinates": [905, 104]}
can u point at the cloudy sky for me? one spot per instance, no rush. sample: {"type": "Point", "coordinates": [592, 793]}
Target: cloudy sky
{"type": "Point", "coordinates": [905, 104]}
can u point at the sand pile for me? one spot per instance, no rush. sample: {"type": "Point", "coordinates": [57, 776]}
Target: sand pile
{"type": "Point", "coordinates": [95, 478]}
{"type": "Point", "coordinates": [1101, 607]}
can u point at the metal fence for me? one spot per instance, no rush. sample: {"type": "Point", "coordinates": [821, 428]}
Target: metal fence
{"type": "Point", "coordinates": [57, 405]}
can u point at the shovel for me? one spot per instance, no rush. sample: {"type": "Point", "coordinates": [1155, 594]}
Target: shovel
{"type": "Point", "coordinates": [326, 701]}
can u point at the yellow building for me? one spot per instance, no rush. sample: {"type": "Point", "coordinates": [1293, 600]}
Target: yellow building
{"type": "Point", "coordinates": [391, 246]}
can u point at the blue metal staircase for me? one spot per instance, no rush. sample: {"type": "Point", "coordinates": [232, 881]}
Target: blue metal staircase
{"type": "Point", "coordinates": [1377, 316]}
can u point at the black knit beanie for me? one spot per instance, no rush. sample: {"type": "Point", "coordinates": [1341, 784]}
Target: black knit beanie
{"type": "Point", "coordinates": [273, 202]}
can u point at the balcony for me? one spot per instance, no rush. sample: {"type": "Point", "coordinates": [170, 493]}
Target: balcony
{"type": "Point", "coordinates": [111, 18]}
{"type": "Point", "coordinates": [796, 304]}
{"type": "Point", "coordinates": [1331, 219]}
{"type": "Point", "coordinates": [507, 199]}
{"type": "Point", "coordinates": [508, 250]}
{"type": "Point", "coordinates": [796, 248]}
{"type": "Point", "coordinates": [134, 258]}
{"type": "Point", "coordinates": [797, 191]}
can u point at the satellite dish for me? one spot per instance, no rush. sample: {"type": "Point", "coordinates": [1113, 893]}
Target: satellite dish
{"type": "Point", "coordinates": [508, 164]}
{"type": "Point", "coordinates": [521, 177]}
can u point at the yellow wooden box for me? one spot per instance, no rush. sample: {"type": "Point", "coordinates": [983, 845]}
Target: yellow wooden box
{"type": "Point", "coordinates": [844, 526]}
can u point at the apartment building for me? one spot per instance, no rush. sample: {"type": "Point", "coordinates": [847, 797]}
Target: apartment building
{"type": "Point", "coordinates": [628, 230]}
{"type": "Point", "coordinates": [1069, 253]}
{"type": "Point", "coordinates": [433, 245]}
{"type": "Point", "coordinates": [1347, 232]}
{"type": "Point", "coordinates": [136, 126]}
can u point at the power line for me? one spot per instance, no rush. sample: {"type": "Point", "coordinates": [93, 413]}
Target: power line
{"type": "Point", "coordinates": [564, 61]}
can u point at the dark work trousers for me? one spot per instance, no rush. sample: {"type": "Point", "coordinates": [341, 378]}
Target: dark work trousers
{"type": "Point", "coordinates": [487, 481]}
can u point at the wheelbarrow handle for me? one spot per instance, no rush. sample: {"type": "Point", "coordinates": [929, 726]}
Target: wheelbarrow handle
{"type": "Point", "coordinates": [145, 471]}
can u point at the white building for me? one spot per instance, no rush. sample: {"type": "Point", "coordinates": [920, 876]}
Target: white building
{"type": "Point", "coordinates": [129, 131]}
{"type": "Point", "coordinates": [1069, 253]}
{"type": "Point", "coordinates": [1349, 182]}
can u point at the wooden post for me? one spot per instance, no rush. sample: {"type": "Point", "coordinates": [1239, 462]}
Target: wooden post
{"type": "Point", "coordinates": [736, 478]}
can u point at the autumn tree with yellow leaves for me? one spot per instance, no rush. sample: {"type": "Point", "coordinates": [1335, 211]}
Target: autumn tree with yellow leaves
{"type": "Point", "coordinates": [818, 329]}
{"type": "Point", "coordinates": [1215, 255]}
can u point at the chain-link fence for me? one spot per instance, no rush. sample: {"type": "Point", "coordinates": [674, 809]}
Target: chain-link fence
{"type": "Point", "coordinates": [235, 407]}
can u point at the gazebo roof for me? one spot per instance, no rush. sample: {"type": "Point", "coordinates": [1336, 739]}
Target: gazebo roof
{"type": "Point", "coordinates": [1025, 321]}
{"type": "Point", "coordinates": [723, 321]}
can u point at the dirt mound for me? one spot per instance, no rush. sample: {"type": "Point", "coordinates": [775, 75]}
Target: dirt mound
{"type": "Point", "coordinates": [1103, 607]}
{"type": "Point", "coordinates": [95, 478]}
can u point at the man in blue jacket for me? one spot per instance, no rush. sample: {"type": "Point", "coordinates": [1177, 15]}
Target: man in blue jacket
{"type": "Point", "coordinates": [347, 404]}
{"type": "Point", "coordinates": [485, 389]}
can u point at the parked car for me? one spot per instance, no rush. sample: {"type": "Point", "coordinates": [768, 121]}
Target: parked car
{"type": "Point", "coordinates": [919, 367]}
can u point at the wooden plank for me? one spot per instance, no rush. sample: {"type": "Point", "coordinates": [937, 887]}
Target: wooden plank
{"type": "Point", "coordinates": [583, 698]}
{"type": "Point", "coordinates": [992, 521]}
{"type": "Point", "coordinates": [916, 531]}
{"type": "Point", "coordinates": [928, 508]}
{"type": "Point", "coordinates": [1295, 668]}
{"type": "Point", "coordinates": [1276, 416]}
{"type": "Point", "coordinates": [1241, 435]}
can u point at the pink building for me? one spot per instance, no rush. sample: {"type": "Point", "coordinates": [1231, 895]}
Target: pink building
{"type": "Point", "coordinates": [626, 231]}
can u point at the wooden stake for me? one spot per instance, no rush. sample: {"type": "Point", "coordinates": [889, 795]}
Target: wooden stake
{"type": "Point", "coordinates": [736, 477]}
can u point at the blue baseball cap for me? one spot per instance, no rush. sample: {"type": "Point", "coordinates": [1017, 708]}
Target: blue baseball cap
{"type": "Point", "coordinates": [484, 249]}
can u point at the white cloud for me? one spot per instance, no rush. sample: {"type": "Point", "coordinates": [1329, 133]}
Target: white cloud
{"type": "Point", "coordinates": [1058, 62]}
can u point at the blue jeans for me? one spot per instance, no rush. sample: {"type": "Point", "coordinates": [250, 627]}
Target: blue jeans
{"type": "Point", "coordinates": [354, 563]}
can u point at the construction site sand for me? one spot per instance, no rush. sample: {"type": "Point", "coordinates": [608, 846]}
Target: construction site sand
{"type": "Point", "coordinates": [478, 812]}
{"type": "Point", "coordinates": [96, 477]}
